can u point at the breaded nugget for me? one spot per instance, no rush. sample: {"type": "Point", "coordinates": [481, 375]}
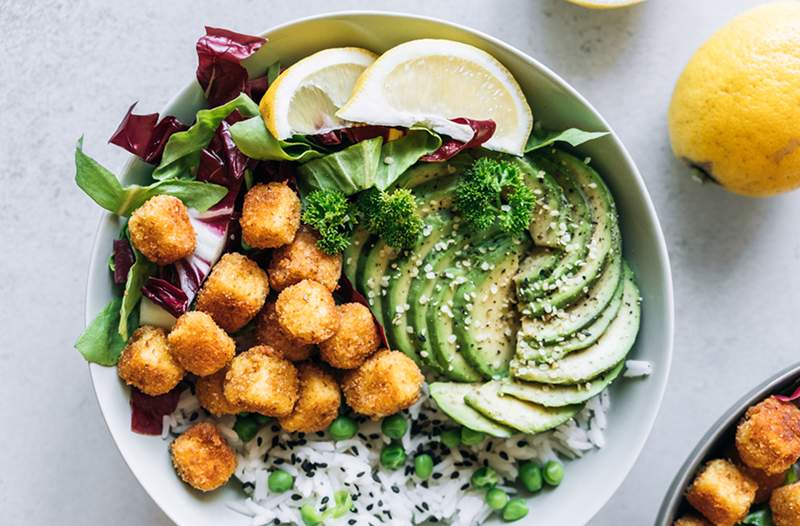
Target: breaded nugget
{"type": "Point", "coordinates": [722, 493]}
{"type": "Point", "coordinates": [270, 215]}
{"type": "Point", "coordinates": [306, 312]}
{"type": "Point", "coordinates": [234, 292]}
{"type": "Point", "coordinates": [785, 505]}
{"type": "Point", "coordinates": [302, 259]}
{"type": "Point", "coordinates": [387, 382]}
{"type": "Point", "coordinates": [202, 457]}
{"type": "Point", "coordinates": [355, 341]}
{"type": "Point", "coordinates": [691, 520]}
{"type": "Point", "coordinates": [260, 381]}
{"type": "Point", "coordinates": [160, 229]}
{"type": "Point", "coordinates": [768, 437]}
{"type": "Point", "coordinates": [269, 332]}
{"type": "Point", "coordinates": [199, 345]}
{"type": "Point", "coordinates": [318, 401]}
{"type": "Point", "coordinates": [766, 483]}
{"type": "Point", "coordinates": [210, 393]}
{"type": "Point", "coordinates": [147, 364]}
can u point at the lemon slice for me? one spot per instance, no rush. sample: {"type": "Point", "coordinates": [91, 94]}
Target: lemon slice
{"type": "Point", "coordinates": [304, 98]}
{"type": "Point", "coordinates": [428, 82]}
{"type": "Point", "coordinates": [604, 4]}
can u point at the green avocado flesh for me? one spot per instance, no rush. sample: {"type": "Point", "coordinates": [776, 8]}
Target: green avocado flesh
{"type": "Point", "coordinates": [517, 332]}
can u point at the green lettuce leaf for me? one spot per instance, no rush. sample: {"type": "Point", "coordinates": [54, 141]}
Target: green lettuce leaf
{"type": "Point", "coordinates": [101, 343]}
{"type": "Point", "coordinates": [541, 138]}
{"type": "Point", "coordinates": [182, 153]}
{"type": "Point", "coordinates": [105, 189]}
{"type": "Point", "coordinates": [253, 139]}
{"type": "Point", "coordinates": [760, 517]}
{"type": "Point", "coordinates": [141, 269]}
{"type": "Point", "coordinates": [348, 171]}
{"type": "Point", "coordinates": [402, 153]}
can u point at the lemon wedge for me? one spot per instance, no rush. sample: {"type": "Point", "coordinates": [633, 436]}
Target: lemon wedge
{"type": "Point", "coordinates": [304, 98]}
{"type": "Point", "coordinates": [604, 4]}
{"type": "Point", "coordinates": [427, 82]}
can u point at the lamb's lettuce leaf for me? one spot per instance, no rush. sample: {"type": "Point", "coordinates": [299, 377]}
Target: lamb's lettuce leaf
{"type": "Point", "coordinates": [255, 141]}
{"type": "Point", "coordinates": [105, 189]}
{"type": "Point", "coordinates": [101, 343]}
{"type": "Point", "coordinates": [137, 275]}
{"type": "Point", "coordinates": [573, 136]}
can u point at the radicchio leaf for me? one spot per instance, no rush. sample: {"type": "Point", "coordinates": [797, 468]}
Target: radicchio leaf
{"type": "Point", "coordinates": [483, 131]}
{"type": "Point", "coordinates": [144, 135]}
{"type": "Point", "coordinates": [349, 293]}
{"type": "Point", "coordinates": [352, 135]}
{"type": "Point", "coordinates": [168, 296]}
{"type": "Point", "coordinates": [123, 260]}
{"type": "Point", "coordinates": [219, 69]}
{"type": "Point", "coordinates": [147, 412]}
{"type": "Point", "coordinates": [789, 398]}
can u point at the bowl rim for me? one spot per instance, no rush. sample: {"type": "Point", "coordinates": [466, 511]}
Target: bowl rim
{"type": "Point", "coordinates": [661, 253]}
{"type": "Point", "coordinates": [717, 431]}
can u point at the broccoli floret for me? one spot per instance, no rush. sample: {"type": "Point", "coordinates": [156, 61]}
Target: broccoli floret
{"type": "Point", "coordinates": [493, 192]}
{"type": "Point", "coordinates": [333, 216]}
{"type": "Point", "coordinates": [391, 215]}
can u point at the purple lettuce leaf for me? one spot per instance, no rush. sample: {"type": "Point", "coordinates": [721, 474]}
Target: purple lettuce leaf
{"type": "Point", "coordinates": [483, 131]}
{"type": "Point", "coordinates": [123, 260]}
{"type": "Point", "coordinates": [147, 412]}
{"type": "Point", "coordinates": [219, 69]}
{"type": "Point", "coordinates": [144, 135]}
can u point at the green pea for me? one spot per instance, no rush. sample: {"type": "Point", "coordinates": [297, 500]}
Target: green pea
{"type": "Point", "coordinates": [553, 472]}
{"type": "Point", "coordinates": [246, 427]}
{"type": "Point", "coordinates": [470, 437]}
{"type": "Point", "coordinates": [393, 456]}
{"type": "Point", "coordinates": [515, 509]}
{"type": "Point", "coordinates": [530, 476]}
{"type": "Point", "coordinates": [310, 515]}
{"type": "Point", "coordinates": [343, 428]}
{"type": "Point", "coordinates": [423, 466]}
{"type": "Point", "coordinates": [496, 498]}
{"type": "Point", "coordinates": [280, 481]}
{"type": "Point", "coordinates": [484, 478]}
{"type": "Point", "coordinates": [451, 438]}
{"type": "Point", "coordinates": [394, 426]}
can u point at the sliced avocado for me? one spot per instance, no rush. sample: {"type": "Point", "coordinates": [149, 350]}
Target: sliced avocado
{"type": "Point", "coordinates": [423, 173]}
{"type": "Point", "coordinates": [530, 349]}
{"type": "Point", "coordinates": [486, 321]}
{"type": "Point", "coordinates": [523, 416]}
{"type": "Point", "coordinates": [562, 323]}
{"type": "Point", "coordinates": [352, 254]}
{"type": "Point", "coordinates": [560, 395]}
{"type": "Point", "coordinates": [372, 277]}
{"type": "Point", "coordinates": [449, 396]}
{"type": "Point", "coordinates": [609, 350]}
{"type": "Point", "coordinates": [552, 208]}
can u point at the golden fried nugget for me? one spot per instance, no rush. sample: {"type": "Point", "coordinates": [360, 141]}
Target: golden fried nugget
{"type": "Point", "coordinates": [270, 215]}
{"type": "Point", "coordinates": [269, 332]}
{"type": "Point", "coordinates": [785, 505]}
{"type": "Point", "coordinates": [355, 341]}
{"type": "Point", "coordinates": [260, 381]}
{"type": "Point", "coordinates": [199, 344]}
{"type": "Point", "coordinates": [306, 312]}
{"type": "Point", "coordinates": [147, 364]}
{"type": "Point", "coordinates": [234, 292]}
{"type": "Point", "coordinates": [691, 520]}
{"type": "Point", "coordinates": [768, 437]}
{"type": "Point", "coordinates": [302, 259]}
{"type": "Point", "coordinates": [160, 229]}
{"type": "Point", "coordinates": [202, 457]}
{"type": "Point", "coordinates": [386, 383]}
{"type": "Point", "coordinates": [766, 483]}
{"type": "Point", "coordinates": [318, 402]}
{"type": "Point", "coordinates": [210, 393]}
{"type": "Point", "coordinates": [722, 493]}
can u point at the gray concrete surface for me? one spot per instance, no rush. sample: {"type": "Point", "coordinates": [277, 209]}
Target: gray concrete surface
{"type": "Point", "coordinates": [73, 67]}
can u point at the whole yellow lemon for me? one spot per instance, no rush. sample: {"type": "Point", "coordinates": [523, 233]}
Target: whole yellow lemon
{"type": "Point", "coordinates": [735, 111]}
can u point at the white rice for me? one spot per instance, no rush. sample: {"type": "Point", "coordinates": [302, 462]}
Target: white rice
{"type": "Point", "coordinates": [636, 368]}
{"type": "Point", "coordinates": [321, 467]}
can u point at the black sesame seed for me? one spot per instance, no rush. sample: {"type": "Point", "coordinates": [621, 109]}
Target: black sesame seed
{"type": "Point", "coordinates": [359, 474]}
{"type": "Point", "coordinates": [296, 496]}
{"type": "Point", "coordinates": [522, 443]}
{"type": "Point", "coordinates": [425, 505]}
{"type": "Point", "coordinates": [437, 476]}
{"type": "Point", "coordinates": [504, 455]}
{"type": "Point", "coordinates": [325, 500]}
{"type": "Point", "coordinates": [464, 487]}
{"type": "Point", "coordinates": [425, 484]}
{"type": "Point", "coordinates": [351, 522]}
{"type": "Point", "coordinates": [395, 489]}
{"type": "Point", "coordinates": [454, 475]}
{"type": "Point", "coordinates": [369, 507]}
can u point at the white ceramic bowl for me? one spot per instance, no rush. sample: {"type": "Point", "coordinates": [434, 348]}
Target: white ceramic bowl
{"type": "Point", "coordinates": [590, 482]}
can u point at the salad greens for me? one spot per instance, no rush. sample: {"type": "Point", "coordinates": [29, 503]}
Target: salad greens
{"type": "Point", "coordinates": [348, 171]}
{"type": "Point", "coordinates": [255, 141]}
{"type": "Point", "coordinates": [219, 69]}
{"type": "Point", "coordinates": [760, 517]}
{"type": "Point", "coordinates": [141, 269]}
{"type": "Point", "coordinates": [145, 135]}
{"type": "Point", "coordinates": [101, 342]}
{"type": "Point", "coordinates": [573, 136]}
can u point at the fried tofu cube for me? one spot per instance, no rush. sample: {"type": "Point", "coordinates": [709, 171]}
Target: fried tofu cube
{"type": "Point", "coordinates": [270, 215]}
{"type": "Point", "coordinates": [307, 312]}
{"type": "Point", "coordinates": [269, 332]}
{"type": "Point", "coordinates": [386, 383]}
{"type": "Point", "coordinates": [691, 520]}
{"type": "Point", "coordinates": [199, 344]}
{"type": "Point", "coordinates": [766, 483]}
{"type": "Point", "coordinates": [356, 339]}
{"type": "Point", "coordinates": [160, 229]}
{"type": "Point", "coordinates": [210, 393]}
{"type": "Point", "coordinates": [260, 381]}
{"type": "Point", "coordinates": [768, 437]}
{"type": "Point", "coordinates": [785, 505]}
{"type": "Point", "coordinates": [147, 364]}
{"type": "Point", "coordinates": [318, 400]}
{"type": "Point", "coordinates": [302, 259]}
{"type": "Point", "coordinates": [202, 457]}
{"type": "Point", "coordinates": [234, 292]}
{"type": "Point", "coordinates": [722, 493]}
